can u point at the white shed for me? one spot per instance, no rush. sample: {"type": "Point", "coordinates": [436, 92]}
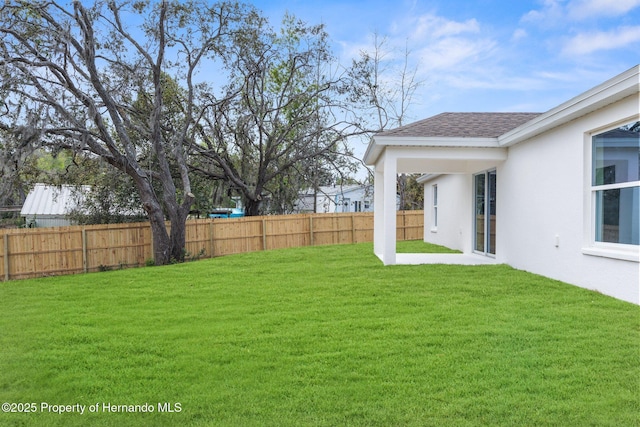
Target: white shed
{"type": "Point", "coordinates": [49, 205]}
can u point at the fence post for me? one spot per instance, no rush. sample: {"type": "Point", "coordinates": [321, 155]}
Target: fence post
{"type": "Point", "coordinates": [85, 261]}
{"type": "Point", "coordinates": [153, 255]}
{"type": "Point", "coordinates": [211, 242]}
{"type": "Point", "coordinates": [6, 257]}
{"type": "Point", "coordinates": [310, 230]}
{"type": "Point", "coordinates": [353, 229]}
{"type": "Point", "coordinates": [264, 234]}
{"type": "Point", "coordinates": [404, 225]}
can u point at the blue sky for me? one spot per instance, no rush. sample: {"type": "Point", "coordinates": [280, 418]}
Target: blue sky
{"type": "Point", "coordinates": [486, 55]}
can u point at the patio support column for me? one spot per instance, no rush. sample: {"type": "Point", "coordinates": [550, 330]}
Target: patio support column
{"type": "Point", "coordinates": [378, 210]}
{"type": "Point", "coordinates": [389, 209]}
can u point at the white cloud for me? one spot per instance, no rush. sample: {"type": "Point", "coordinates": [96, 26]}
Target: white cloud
{"type": "Point", "coordinates": [584, 9]}
{"type": "Point", "coordinates": [432, 26]}
{"type": "Point", "coordinates": [437, 43]}
{"type": "Point", "coordinates": [442, 49]}
{"type": "Point", "coordinates": [556, 12]}
{"type": "Point", "coordinates": [552, 12]}
{"type": "Point", "coordinates": [586, 43]}
{"type": "Point", "coordinates": [442, 43]}
{"type": "Point", "coordinates": [519, 34]}
{"type": "Point", "coordinates": [454, 53]}
{"type": "Point", "coordinates": [495, 79]}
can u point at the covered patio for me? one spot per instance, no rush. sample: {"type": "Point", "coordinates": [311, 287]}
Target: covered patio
{"type": "Point", "coordinates": [449, 143]}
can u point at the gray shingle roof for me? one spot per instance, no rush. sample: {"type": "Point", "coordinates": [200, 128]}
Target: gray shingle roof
{"type": "Point", "coordinates": [462, 125]}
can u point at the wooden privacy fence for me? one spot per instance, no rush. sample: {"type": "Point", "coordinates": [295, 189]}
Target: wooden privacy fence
{"type": "Point", "coordinates": [80, 249]}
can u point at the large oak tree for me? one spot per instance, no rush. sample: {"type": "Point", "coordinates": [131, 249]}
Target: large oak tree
{"type": "Point", "coordinates": [288, 125]}
{"type": "Point", "coordinates": [74, 77]}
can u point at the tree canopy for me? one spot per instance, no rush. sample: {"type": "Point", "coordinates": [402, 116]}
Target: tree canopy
{"type": "Point", "coordinates": [76, 71]}
{"type": "Point", "coordinates": [183, 102]}
{"type": "Point", "coordinates": [287, 126]}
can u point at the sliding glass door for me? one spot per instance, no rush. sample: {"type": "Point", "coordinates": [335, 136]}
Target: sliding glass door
{"type": "Point", "coordinates": [485, 212]}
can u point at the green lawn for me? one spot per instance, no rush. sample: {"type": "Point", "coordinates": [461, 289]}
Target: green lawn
{"type": "Point", "coordinates": [321, 336]}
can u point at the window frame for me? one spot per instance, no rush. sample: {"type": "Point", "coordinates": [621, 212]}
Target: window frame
{"type": "Point", "coordinates": [622, 251]}
{"type": "Point", "coordinates": [434, 207]}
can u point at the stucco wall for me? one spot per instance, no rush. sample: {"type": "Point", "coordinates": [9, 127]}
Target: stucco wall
{"type": "Point", "coordinates": [543, 207]}
{"type": "Point", "coordinates": [454, 212]}
{"type": "Point", "coordinates": [544, 200]}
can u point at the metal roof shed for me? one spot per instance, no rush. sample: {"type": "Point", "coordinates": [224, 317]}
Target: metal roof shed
{"type": "Point", "coordinates": [49, 205]}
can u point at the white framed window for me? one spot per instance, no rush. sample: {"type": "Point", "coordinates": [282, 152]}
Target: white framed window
{"type": "Point", "coordinates": [615, 189]}
{"type": "Point", "coordinates": [434, 207]}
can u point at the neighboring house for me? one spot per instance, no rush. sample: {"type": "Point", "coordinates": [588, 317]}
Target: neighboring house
{"type": "Point", "coordinates": [339, 198]}
{"type": "Point", "coordinates": [49, 205]}
{"type": "Point", "coordinates": [556, 194]}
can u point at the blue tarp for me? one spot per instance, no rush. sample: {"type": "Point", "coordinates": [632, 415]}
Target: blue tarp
{"type": "Point", "coordinates": [227, 213]}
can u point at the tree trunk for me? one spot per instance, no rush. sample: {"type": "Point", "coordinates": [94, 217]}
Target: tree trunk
{"type": "Point", "coordinates": [178, 234]}
{"type": "Point", "coordinates": [167, 245]}
{"type": "Point", "coordinates": [162, 244]}
{"type": "Point", "coordinates": [252, 207]}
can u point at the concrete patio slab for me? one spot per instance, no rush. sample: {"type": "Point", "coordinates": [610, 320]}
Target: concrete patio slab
{"type": "Point", "coordinates": [458, 259]}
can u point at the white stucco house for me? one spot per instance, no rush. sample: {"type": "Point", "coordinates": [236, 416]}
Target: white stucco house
{"type": "Point", "coordinates": [336, 199]}
{"type": "Point", "coordinates": [554, 193]}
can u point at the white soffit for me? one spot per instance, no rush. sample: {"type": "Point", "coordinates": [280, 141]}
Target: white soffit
{"type": "Point", "coordinates": [427, 177]}
{"type": "Point", "coordinates": [379, 143]}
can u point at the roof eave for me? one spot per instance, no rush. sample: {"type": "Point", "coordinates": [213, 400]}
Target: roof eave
{"type": "Point", "coordinates": [423, 179]}
{"type": "Point", "coordinates": [379, 143]}
{"type": "Point", "coordinates": [373, 152]}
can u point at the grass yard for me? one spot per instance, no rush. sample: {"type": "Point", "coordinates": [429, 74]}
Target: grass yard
{"type": "Point", "coordinates": [321, 336]}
